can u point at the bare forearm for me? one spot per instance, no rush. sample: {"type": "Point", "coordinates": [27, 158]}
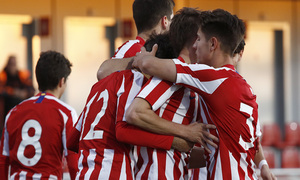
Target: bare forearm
{"type": "Point", "coordinates": [181, 144]}
{"type": "Point", "coordinates": [259, 155]}
{"type": "Point", "coordinates": [149, 64]}
{"type": "Point", "coordinates": [112, 65]}
{"type": "Point", "coordinates": [140, 114]}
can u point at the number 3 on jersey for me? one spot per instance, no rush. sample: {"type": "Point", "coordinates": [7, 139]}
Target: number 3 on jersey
{"type": "Point", "coordinates": [249, 110]}
{"type": "Point", "coordinates": [96, 134]}
{"type": "Point", "coordinates": [30, 140]}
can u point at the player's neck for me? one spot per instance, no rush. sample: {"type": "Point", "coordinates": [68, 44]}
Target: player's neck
{"type": "Point", "coordinates": [55, 93]}
{"type": "Point", "coordinates": [146, 34]}
{"type": "Point", "coordinates": [222, 59]}
{"type": "Point", "coordinates": [184, 53]}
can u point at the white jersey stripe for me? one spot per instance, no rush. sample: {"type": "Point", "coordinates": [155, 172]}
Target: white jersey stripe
{"type": "Point", "coordinates": [166, 95]}
{"type": "Point", "coordinates": [22, 175]}
{"type": "Point", "coordinates": [64, 135]}
{"type": "Point", "coordinates": [12, 177]}
{"type": "Point", "coordinates": [80, 167]}
{"type": "Point", "coordinates": [205, 86]}
{"type": "Point", "coordinates": [123, 168]}
{"type": "Point", "coordinates": [36, 176]}
{"type": "Point", "coordinates": [52, 177]}
{"type": "Point", "coordinates": [121, 90]}
{"type": "Point", "coordinates": [218, 170]}
{"type": "Point", "coordinates": [144, 156]}
{"type": "Point", "coordinates": [242, 164]}
{"type": "Point", "coordinates": [85, 114]}
{"type": "Point", "coordinates": [136, 87]}
{"type": "Point", "coordinates": [123, 49]}
{"type": "Point", "coordinates": [234, 166]}
{"type": "Point", "coordinates": [106, 164]}
{"type": "Point", "coordinates": [91, 163]}
{"type": "Point", "coordinates": [169, 164]}
{"type": "Point", "coordinates": [153, 174]}
{"type": "Point", "coordinates": [208, 87]}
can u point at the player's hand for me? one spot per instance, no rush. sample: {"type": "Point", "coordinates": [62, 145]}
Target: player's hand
{"type": "Point", "coordinates": [266, 174]}
{"type": "Point", "coordinates": [143, 56]}
{"type": "Point", "coordinates": [198, 133]}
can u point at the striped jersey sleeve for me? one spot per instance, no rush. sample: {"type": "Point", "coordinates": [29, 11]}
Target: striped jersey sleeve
{"type": "Point", "coordinates": [129, 48]}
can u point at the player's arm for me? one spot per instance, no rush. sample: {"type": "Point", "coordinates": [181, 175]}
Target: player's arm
{"type": "Point", "coordinates": [72, 160]}
{"type": "Point", "coordinates": [134, 135]}
{"type": "Point", "coordinates": [140, 114]}
{"type": "Point", "coordinates": [262, 164]}
{"type": "Point", "coordinates": [149, 64]}
{"type": "Point", "coordinates": [72, 139]}
{"type": "Point", "coordinates": [112, 65]}
{"type": "Point", "coordinates": [74, 135]}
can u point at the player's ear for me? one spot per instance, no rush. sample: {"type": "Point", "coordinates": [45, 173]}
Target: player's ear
{"type": "Point", "coordinates": [61, 82]}
{"type": "Point", "coordinates": [213, 43]}
{"type": "Point", "coordinates": [165, 22]}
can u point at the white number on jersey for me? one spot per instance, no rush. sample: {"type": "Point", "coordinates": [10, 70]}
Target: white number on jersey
{"type": "Point", "coordinates": [249, 110]}
{"type": "Point", "coordinates": [97, 134]}
{"type": "Point", "coordinates": [30, 140]}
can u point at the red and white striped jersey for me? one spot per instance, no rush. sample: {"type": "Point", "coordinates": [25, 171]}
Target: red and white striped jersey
{"type": "Point", "coordinates": [174, 103]}
{"type": "Point", "coordinates": [129, 48]}
{"type": "Point", "coordinates": [198, 173]}
{"type": "Point", "coordinates": [102, 123]}
{"type": "Point", "coordinates": [35, 136]}
{"type": "Point", "coordinates": [233, 109]}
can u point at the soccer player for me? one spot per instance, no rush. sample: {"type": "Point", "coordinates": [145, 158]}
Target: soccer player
{"type": "Point", "coordinates": [201, 173]}
{"type": "Point", "coordinates": [231, 102]}
{"type": "Point", "coordinates": [150, 16]}
{"type": "Point", "coordinates": [36, 130]}
{"type": "Point", "coordinates": [101, 127]}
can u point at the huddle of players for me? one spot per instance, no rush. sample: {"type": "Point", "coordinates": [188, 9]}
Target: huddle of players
{"type": "Point", "coordinates": [102, 136]}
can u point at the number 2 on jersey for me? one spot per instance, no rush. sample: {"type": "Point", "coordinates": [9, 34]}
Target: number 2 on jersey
{"type": "Point", "coordinates": [97, 134]}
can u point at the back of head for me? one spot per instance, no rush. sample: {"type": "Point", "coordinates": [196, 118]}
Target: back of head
{"type": "Point", "coordinates": [164, 50]}
{"type": "Point", "coordinates": [147, 13]}
{"type": "Point", "coordinates": [227, 28]}
{"type": "Point", "coordinates": [50, 68]}
{"type": "Point", "coordinates": [184, 28]}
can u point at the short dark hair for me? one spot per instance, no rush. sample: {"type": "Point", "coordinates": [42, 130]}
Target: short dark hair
{"type": "Point", "coordinates": [227, 28]}
{"type": "Point", "coordinates": [184, 28]}
{"type": "Point", "coordinates": [240, 47]}
{"type": "Point", "coordinates": [147, 13]}
{"type": "Point", "coordinates": [50, 68]}
{"type": "Point", "coordinates": [165, 49]}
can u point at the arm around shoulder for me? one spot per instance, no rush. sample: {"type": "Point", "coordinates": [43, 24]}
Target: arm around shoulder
{"type": "Point", "coordinates": [112, 65]}
{"type": "Point", "coordinates": [149, 64]}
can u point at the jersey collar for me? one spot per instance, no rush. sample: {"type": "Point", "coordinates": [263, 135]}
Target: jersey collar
{"type": "Point", "coordinates": [181, 59]}
{"type": "Point", "coordinates": [229, 66]}
{"type": "Point", "coordinates": [142, 41]}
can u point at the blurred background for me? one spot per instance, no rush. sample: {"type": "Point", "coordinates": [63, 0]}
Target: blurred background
{"type": "Point", "coordinates": [87, 33]}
